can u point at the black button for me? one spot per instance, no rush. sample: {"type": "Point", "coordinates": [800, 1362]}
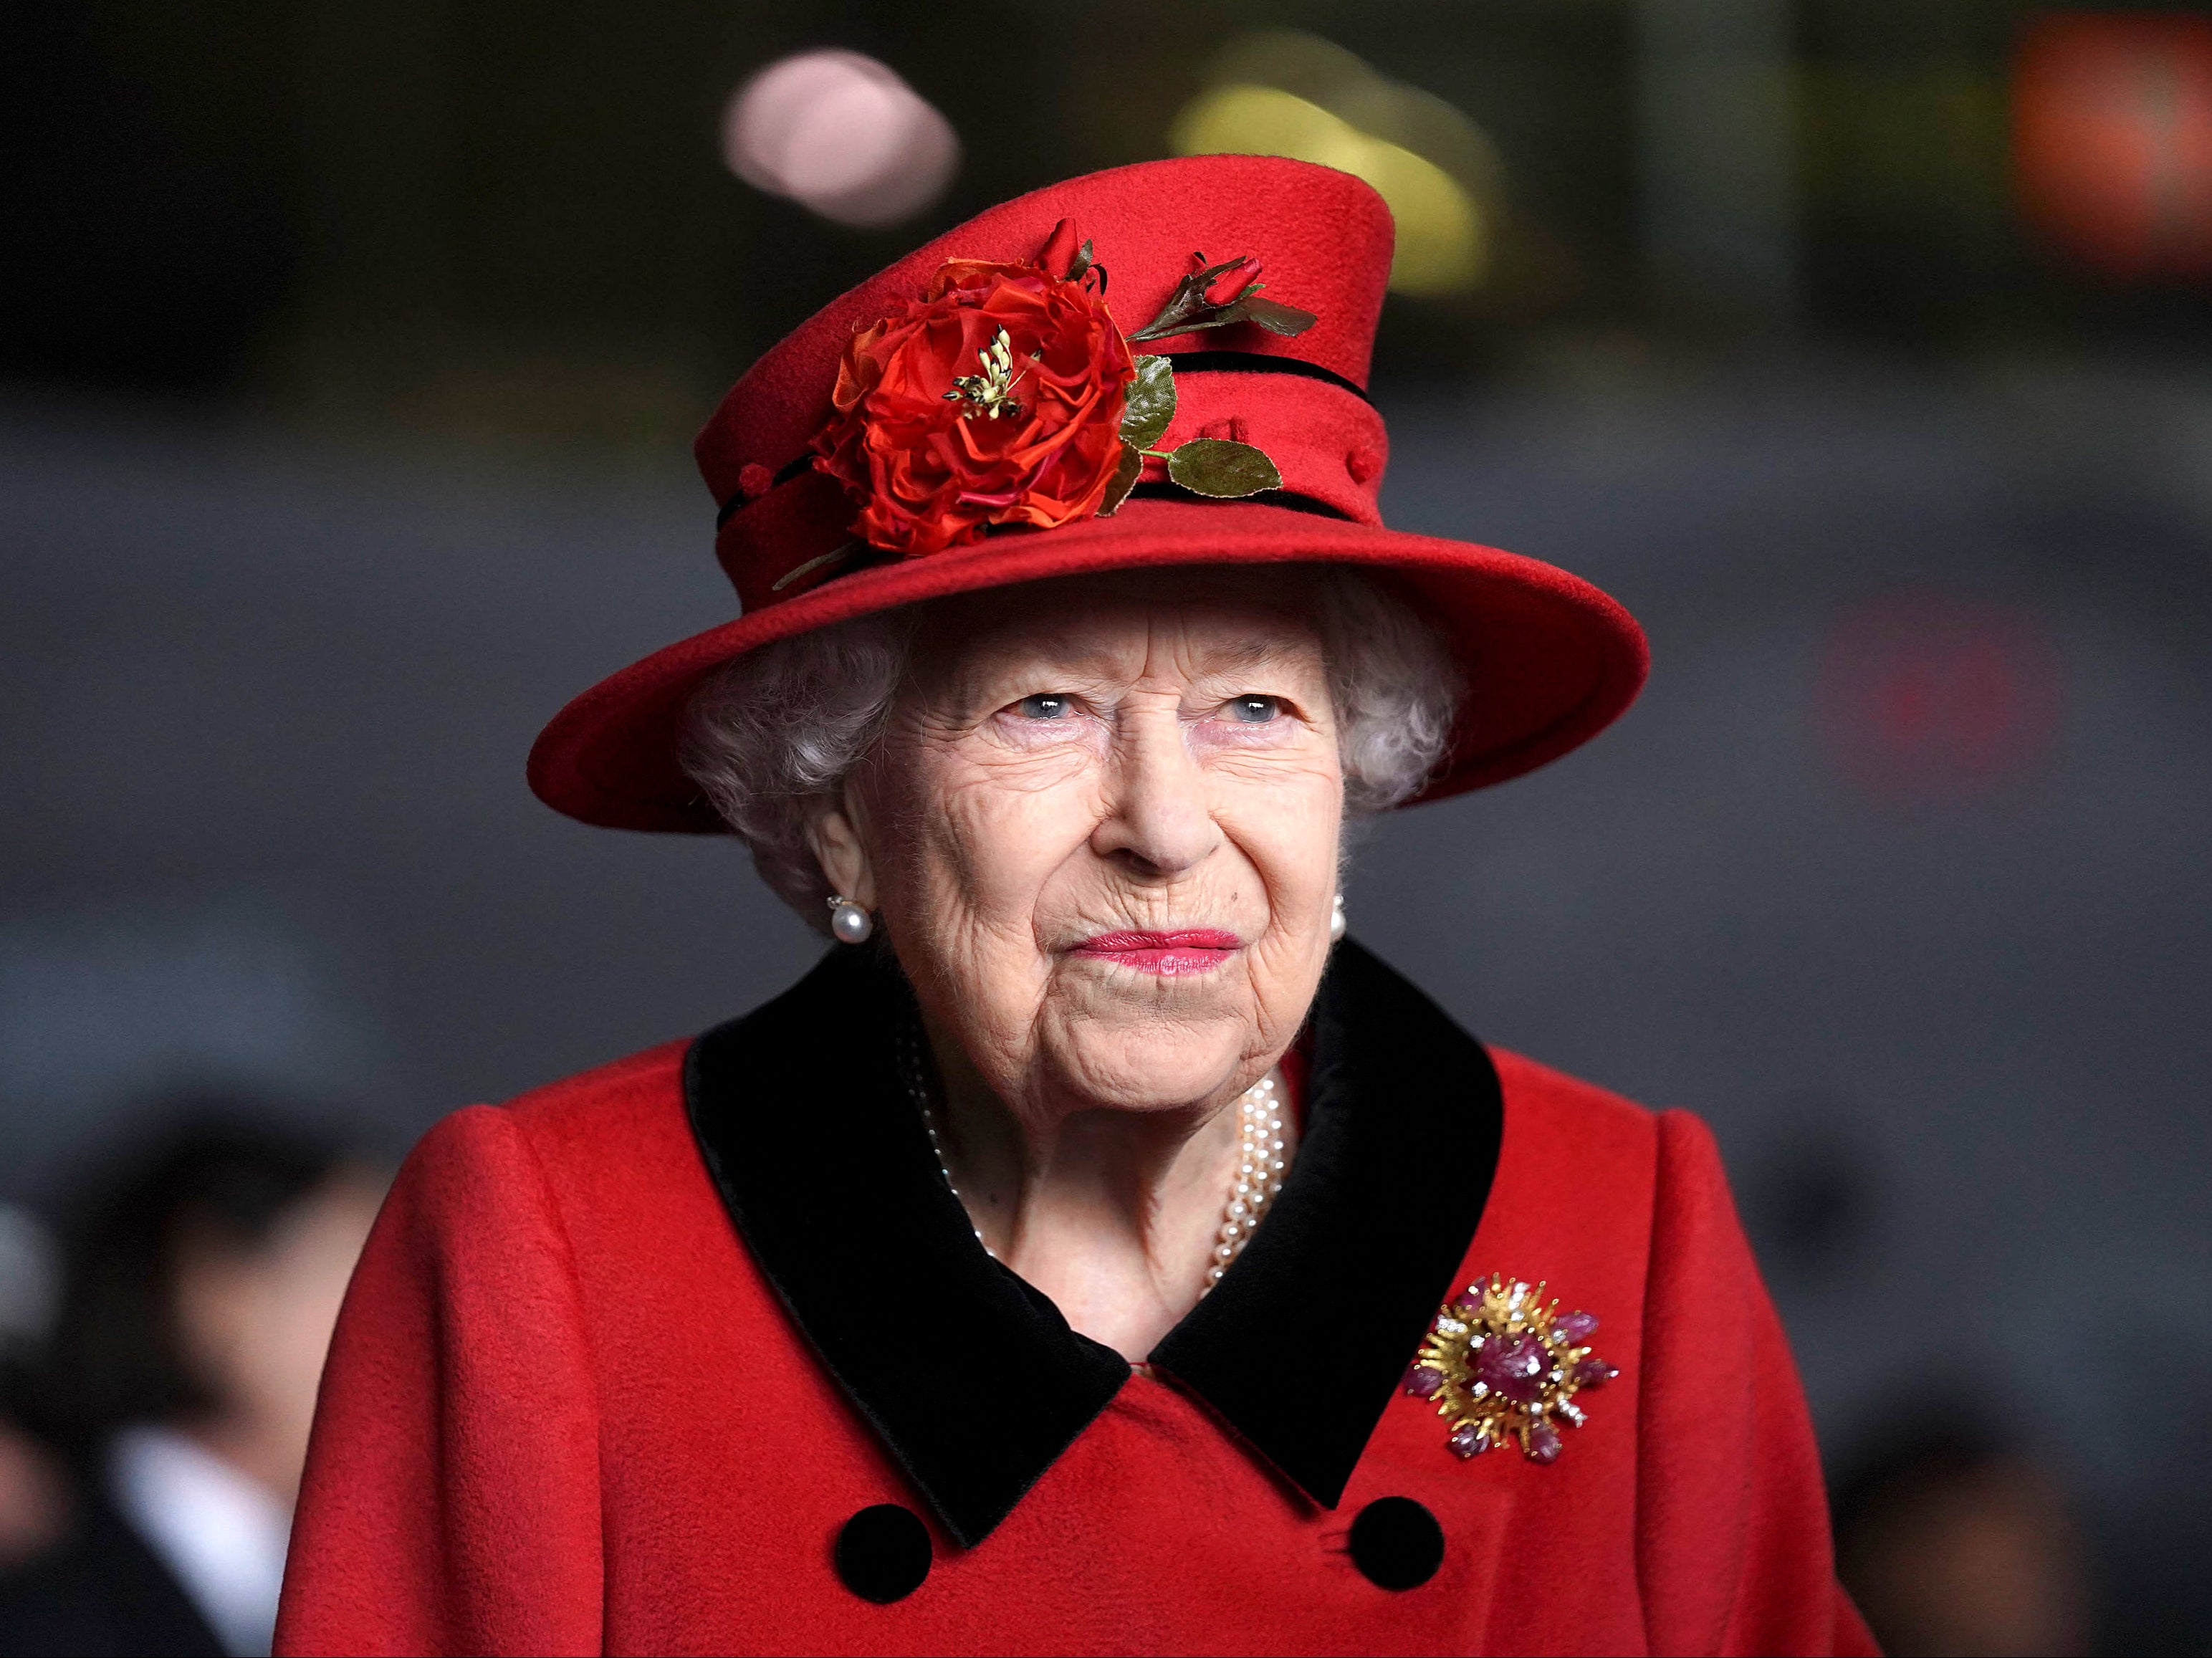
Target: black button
{"type": "Point", "coordinates": [882, 1552]}
{"type": "Point", "coordinates": [1397, 1543]}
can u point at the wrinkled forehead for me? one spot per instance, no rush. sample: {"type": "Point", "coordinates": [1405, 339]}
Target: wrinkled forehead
{"type": "Point", "coordinates": [1204, 619]}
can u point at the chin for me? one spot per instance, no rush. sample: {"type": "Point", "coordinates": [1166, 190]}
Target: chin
{"type": "Point", "coordinates": [1143, 1068]}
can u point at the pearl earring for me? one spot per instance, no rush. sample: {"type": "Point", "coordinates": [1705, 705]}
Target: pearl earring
{"type": "Point", "coordinates": [850, 923]}
{"type": "Point", "coordinates": [1336, 920]}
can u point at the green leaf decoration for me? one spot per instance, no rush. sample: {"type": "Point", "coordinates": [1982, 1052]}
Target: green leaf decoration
{"type": "Point", "coordinates": [1080, 263]}
{"type": "Point", "coordinates": [1151, 403]}
{"type": "Point", "coordinates": [1283, 319]}
{"type": "Point", "coordinates": [1215, 466]}
{"type": "Point", "coordinates": [1123, 481]}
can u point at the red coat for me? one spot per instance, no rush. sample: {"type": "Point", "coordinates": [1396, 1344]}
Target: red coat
{"type": "Point", "coordinates": [572, 1407]}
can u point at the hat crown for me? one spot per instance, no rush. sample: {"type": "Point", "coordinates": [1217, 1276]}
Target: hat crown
{"type": "Point", "coordinates": [1322, 237]}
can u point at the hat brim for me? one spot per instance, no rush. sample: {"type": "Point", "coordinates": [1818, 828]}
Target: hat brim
{"type": "Point", "coordinates": [1550, 660]}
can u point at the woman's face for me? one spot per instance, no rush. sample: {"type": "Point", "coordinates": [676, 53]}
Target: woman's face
{"type": "Point", "coordinates": [1102, 831]}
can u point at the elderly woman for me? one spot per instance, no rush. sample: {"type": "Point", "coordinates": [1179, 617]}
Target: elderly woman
{"type": "Point", "coordinates": [1097, 1252]}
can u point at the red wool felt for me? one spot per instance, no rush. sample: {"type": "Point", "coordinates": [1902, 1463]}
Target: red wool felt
{"type": "Point", "coordinates": [566, 1412]}
{"type": "Point", "coordinates": [1550, 660]}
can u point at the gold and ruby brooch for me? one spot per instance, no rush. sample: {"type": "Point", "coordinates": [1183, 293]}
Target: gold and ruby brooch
{"type": "Point", "coordinates": [1500, 1364]}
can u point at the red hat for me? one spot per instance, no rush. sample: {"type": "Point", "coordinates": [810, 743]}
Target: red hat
{"type": "Point", "coordinates": [856, 470]}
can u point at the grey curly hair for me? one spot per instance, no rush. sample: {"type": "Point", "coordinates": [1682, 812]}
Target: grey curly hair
{"type": "Point", "coordinates": [771, 737]}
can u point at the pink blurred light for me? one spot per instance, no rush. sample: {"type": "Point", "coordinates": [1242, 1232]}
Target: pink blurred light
{"type": "Point", "coordinates": [842, 134]}
{"type": "Point", "coordinates": [1921, 698]}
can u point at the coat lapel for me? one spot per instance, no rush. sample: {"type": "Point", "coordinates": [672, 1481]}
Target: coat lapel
{"type": "Point", "coordinates": [971, 1378]}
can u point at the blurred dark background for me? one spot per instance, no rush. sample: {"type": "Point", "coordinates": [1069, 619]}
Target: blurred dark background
{"type": "Point", "coordinates": [350, 356]}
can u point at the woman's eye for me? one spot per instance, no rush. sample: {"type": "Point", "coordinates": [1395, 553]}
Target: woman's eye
{"type": "Point", "coordinates": [1255, 710]}
{"type": "Point", "coordinates": [1046, 705]}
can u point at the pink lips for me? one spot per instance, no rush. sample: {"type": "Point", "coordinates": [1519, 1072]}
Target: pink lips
{"type": "Point", "coordinates": [1171, 955]}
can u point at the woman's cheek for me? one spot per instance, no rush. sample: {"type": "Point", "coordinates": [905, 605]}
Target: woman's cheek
{"type": "Point", "coordinates": [1288, 826]}
{"type": "Point", "coordinates": [1284, 808]}
{"type": "Point", "coordinates": [1010, 830]}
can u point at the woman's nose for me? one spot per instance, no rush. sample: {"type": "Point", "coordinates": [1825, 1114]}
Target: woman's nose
{"type": "Point", "coordinates": [1156, 817]}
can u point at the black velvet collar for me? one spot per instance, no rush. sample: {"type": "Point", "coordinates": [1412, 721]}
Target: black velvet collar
{"type": "Point", "coordinates": [972, 1378]}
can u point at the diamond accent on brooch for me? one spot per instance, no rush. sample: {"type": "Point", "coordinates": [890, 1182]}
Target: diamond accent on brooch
{"type": "Point", "coordinates": [1500, 1362]}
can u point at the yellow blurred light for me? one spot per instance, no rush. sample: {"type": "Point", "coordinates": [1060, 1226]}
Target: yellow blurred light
{"type": "Point", "coordinates": [1444, 244]}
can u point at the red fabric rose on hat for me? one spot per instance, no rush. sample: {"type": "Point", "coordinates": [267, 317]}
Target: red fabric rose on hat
{"type": "Point", "coordinates": [995, 399]}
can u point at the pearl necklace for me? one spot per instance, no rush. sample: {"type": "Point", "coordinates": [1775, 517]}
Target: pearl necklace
{"type": "Point", "coordinates": [1261, 1159]}
{"type": "Point", "coordinates": [1261, 1164]}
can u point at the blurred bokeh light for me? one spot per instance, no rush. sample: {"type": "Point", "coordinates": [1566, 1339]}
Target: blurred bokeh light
{"type": "Point", "coordinates": [842, 134]}
{"type": "Point", "coordinates": [1284, 93]}
{"type": "Point", "coordinates": [2113, 141]}
{"type": "Point", "coordinates": [1922, 699]}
